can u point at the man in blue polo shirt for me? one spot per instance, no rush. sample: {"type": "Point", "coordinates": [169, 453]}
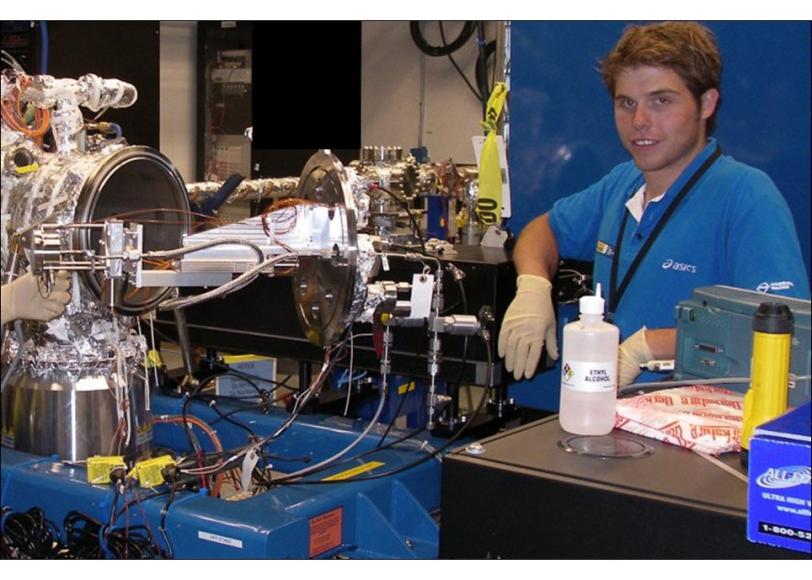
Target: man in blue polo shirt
{"type": "Point", "coordinates": [679, 215]}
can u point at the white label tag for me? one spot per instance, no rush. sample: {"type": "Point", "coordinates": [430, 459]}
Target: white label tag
{"type": "Point", "coordinates": [385, 262]}
{"type": "Point", "coordinates": [589, 376]}
{"type": "Point", "coordinates": [233, 542]}
{"type": "Point", "coordinates": [422, 286]}
{"type": "Point", "coordinates": [249, 462]}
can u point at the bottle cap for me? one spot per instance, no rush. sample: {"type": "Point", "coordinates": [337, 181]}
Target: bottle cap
{"type": "Point", "coordinates": [592, 304]}
{"type": "Point", "coordinates": [773, 318]}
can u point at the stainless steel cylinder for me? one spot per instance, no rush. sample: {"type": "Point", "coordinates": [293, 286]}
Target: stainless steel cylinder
{"type": "Point", "coordinates": [74, 417]}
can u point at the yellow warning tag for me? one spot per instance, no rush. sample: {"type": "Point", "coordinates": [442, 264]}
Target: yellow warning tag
{"type": "Point", "coordinates": [489, 203]}
{"type": "Point", "coordinates": [354, 471]}
{"type": "Point", "coordinates": [494, 108]}
{"type": "Point", "coordinates": [27, 169]}
{"type": "Point", "coordinates": [148, 473]}
{"type": "Point", "coordinates": [154, 359]}
{"type": "Point", "coordinates": [406, 388]}
{"type": "Point", "coordinates": [99, 468]}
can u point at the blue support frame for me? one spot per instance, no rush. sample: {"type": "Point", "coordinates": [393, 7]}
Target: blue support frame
{"type": "Point", "coordinates": [387, 518]}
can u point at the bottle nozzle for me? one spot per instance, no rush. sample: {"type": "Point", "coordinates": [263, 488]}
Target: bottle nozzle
{"type": "Point", "coordinates": [592, 304]}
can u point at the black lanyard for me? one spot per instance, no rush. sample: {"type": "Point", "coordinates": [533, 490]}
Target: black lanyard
{"type": "Point", "coordinates": [615, 293]}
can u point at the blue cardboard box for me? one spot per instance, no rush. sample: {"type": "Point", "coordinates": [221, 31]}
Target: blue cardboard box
{"type": "Point", "coordinates": [779, 504]}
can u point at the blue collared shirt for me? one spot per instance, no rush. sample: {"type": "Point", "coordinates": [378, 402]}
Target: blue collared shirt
{"type": "Point", "coordinates": [734, 228]}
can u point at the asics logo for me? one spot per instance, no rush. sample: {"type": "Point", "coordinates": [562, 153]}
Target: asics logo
{"type": "Point", "coordinates": [670, 264]}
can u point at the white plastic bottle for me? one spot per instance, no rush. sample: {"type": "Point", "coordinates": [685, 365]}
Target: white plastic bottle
{"type": "Point", "coordinates": [589, 371]}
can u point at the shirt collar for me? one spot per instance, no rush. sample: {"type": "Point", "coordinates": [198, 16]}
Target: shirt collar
{"type": "Point", "coordinates": [636, 207]}
{"type": "Point", "coordinates": [636, 201]}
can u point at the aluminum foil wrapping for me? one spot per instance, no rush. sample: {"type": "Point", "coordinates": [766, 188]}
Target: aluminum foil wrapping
{"type": "Point", "coordinates": [360, 193]}
{"type": "Point", "coordinates": [51, 193]}
{"type": "Point", "coordinates": [57, 346]}
{"type": "Point", "coordinates": [83, 339]}
{"type": "Point", "coordinates": [367, 268]}
{"type": "Point", "coordinates": [254, 189]}
{"type": "Point", "coordinates": [374, 296]}
{"type": "Point", "coordinates": [699, 417]}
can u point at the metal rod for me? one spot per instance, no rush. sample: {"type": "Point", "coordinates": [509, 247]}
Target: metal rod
{"type": "Point", "coordinates": [184, 341]}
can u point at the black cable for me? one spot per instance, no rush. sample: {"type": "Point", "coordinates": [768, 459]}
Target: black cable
{"type": "Point", "coordinates": [481, 67]}
{"type": "Point", "coordinates": [225, 417]}
{"type": "Point", "coordinates": [188, 427]}
{"type": "Point", "coordinates": [243, 374]}
{"type": "Point", "coordinates": [104, 532]}
{"type": "Point", "coordinates": [465, 34]}
{"type": "Point", "coordinates": [423, 459]}
{"type": "Point", "coordinates": [140, 499]}
{"type": "Point", "coordinates": [465, 343]}
{"type": "Point", "coordinates": [477, 94]}
{"type": "Point", "coordinates": [362, 454]}
{"type": "Point", "coordinates": [83, 533]}
{"type": "Point", "coordinates": [196, 393]}
{"type": "Point", "coordinates": [316, 388]}
{"type": "Point", "coordinates": [222, 415]}
{"type": "Point", "coordinates": [30, 535]}
{"type": "Point", "coordinates": [395, 416]}
{"type": "Point", "coordinates": [405, 206]}
{"type": "Point", "coordinates": [464, 300]}
{"type": "Point", "coordinates": [226, 466]}
{"type": "Point", "coordinates": [162, 525]}
{"type": "Point", "coordinates": [235, 411]}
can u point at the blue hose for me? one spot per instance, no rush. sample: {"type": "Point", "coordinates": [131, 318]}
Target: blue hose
{"type": "Point", "coordinates": [116, 129]}
{"type": "Point", "coordinates": [43, 62]}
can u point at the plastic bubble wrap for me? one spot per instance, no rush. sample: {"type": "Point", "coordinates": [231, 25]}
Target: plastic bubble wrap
{"type": "Point", "coordinates": [700, 417]}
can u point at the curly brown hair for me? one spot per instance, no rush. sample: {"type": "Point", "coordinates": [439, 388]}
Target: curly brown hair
{"type": "Point", "coordinates": [688, 48]}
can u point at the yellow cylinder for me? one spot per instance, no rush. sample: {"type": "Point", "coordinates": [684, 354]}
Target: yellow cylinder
{"type": "Point", "coordinates": [769, 370]}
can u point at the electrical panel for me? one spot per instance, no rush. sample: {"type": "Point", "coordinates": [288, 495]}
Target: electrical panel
{"type": "Point", "coordinates": [224, 52]}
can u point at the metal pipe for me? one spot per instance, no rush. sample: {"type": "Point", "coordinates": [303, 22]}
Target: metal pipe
{"type": "Point", "coordinates": [184, 341]}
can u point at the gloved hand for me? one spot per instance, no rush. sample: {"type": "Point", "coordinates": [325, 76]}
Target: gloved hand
{"type": "Point", "coordinates": [21, 298]}
{"type": "Point", "coordinates": [529, 323]}
{"type": "Point", "coordinates": [633, 352]}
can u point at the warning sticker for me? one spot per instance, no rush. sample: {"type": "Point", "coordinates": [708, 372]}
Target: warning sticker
{"type": "Point", "coordinates": [325, 532]}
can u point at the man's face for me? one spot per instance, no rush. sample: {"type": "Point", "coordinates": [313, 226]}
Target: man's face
{"type": "Point", "coordinates": [660, 122]}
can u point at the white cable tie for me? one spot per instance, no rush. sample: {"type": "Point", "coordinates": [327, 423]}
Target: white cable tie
{"type": "Point", "coordinates": [722, 465]}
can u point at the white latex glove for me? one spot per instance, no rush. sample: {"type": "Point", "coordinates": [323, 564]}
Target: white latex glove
{"type": "Point", "coordinates": [633, 352]}
{"type": "Point", "coordinates": [21, 298]}
{"type": "Point", "coordinates": [529, 323]}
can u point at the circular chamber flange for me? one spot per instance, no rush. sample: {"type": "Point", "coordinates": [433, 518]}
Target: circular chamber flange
{"type": "Point", "coordinates": [134, 184]}
{"type": "Point", "coordinates": [324, 288]}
